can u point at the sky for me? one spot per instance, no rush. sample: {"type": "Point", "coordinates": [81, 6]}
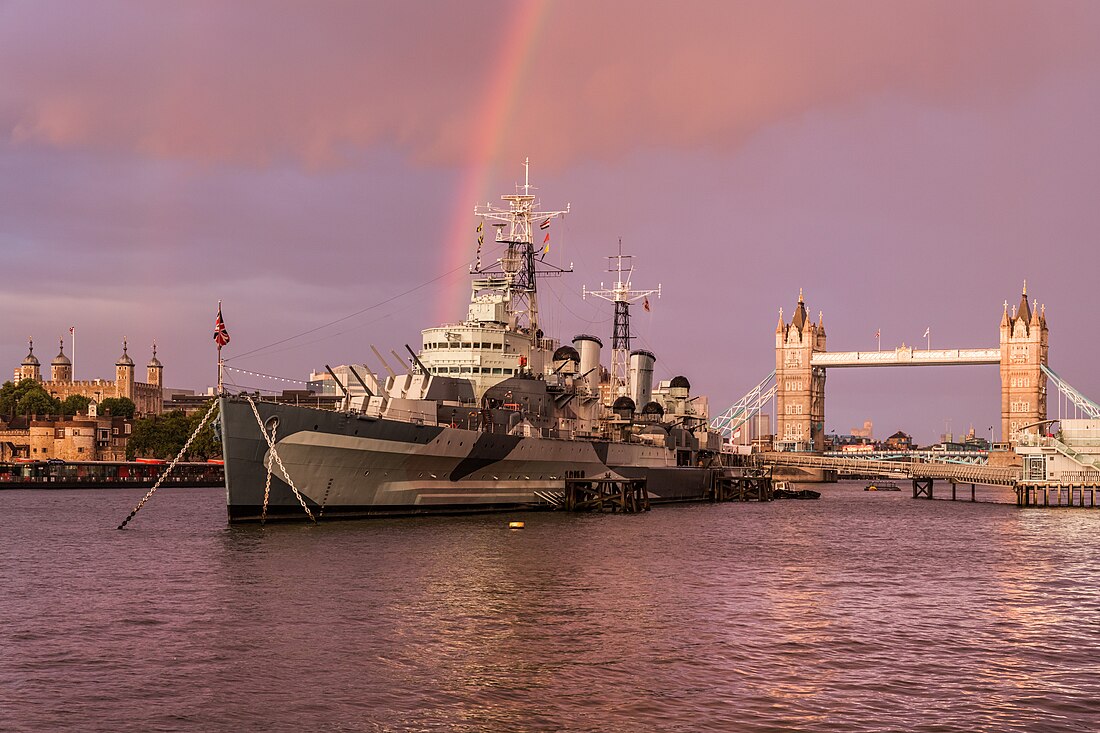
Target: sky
{"type": "Point", "coordinates": [314, 166]}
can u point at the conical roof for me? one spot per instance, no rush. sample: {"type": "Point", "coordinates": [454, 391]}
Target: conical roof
{"type": "Point", "coordinates": [800, 319]}
{"type": "Point", "coordinates": [1024, 311]}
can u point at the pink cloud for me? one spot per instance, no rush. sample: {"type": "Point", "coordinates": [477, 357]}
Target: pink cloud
{"type": "Point", "coordinates": [258, 83]}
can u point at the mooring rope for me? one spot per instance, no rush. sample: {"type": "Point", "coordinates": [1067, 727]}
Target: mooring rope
{"type": "Point", "coordinates": [179, 456]}
{"type": "Point", "coordinates": [275, 454]}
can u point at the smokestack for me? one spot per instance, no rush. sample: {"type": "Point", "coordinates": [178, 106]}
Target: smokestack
{"type": "Point", "coordinates": [641, 376]}
{"type": "Point", "coordinates": [589, 349]}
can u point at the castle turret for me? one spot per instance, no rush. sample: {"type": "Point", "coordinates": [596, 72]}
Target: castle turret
{"type": "Point", "coordinates": [124, 374]}
{"type": "Point", "coordinates": [30, 368]}
{"type": "Point", "coordinates": [1024, 345]}
{"type": "Point", "coordinates": [61, 368]}
{"type": "Point", "coordinates": [155, 369]}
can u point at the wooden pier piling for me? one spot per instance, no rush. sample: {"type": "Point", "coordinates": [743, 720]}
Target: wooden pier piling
{"type": "Point", "coordinates": [755, 487]}
{"type": "Point", "coordinates": [627, 496]}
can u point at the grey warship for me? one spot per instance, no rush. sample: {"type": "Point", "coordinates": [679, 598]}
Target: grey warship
{"type": "Point", "coordinates": [490, 414]}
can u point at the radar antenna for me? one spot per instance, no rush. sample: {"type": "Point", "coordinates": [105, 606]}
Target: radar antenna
{"type": "Point", "coordinates": [517, 271]}
{"type": "Point", "coordinates": [622, 296]}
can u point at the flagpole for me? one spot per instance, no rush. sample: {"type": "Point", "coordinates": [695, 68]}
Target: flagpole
{"type": "Point", "coordinates": [878, 340]}
{"type": "Point", "coordinates": [221, 365]}
{"type": "Point", "coordinates": [72, 332]}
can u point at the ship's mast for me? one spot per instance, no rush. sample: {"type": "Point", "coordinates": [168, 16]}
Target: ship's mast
{"type": "Point", "coordinates": [622, 296]}
{"type": "Point", "coordinates": [518, 268]}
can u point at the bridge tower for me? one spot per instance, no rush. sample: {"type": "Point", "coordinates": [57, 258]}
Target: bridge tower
{"type": "Point", "coordinates": [1023, 353]}
{"type": "Point", "coordinates": [799, 386]}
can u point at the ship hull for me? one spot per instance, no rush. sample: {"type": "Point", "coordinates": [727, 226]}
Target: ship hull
{"type": "Point", "coordinates": [347, 465]}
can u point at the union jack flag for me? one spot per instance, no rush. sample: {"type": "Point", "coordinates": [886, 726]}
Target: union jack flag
{"type": "Point", "coordinates": [221, 335]}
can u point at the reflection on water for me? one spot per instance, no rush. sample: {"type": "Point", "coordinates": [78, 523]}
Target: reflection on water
{"type": "Point", "coordinates": [856, 612]}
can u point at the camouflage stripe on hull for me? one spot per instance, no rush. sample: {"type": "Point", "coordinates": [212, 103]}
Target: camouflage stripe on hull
{"type": "Point", "coordinates": [347, 465]}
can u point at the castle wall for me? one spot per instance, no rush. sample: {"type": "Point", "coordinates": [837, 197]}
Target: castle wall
{"type": "Point", "coordinates": [76, 439]}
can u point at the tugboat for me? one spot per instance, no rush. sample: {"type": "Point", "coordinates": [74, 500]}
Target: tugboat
{"type": "Point", "coordinates": [882, 486]}
{"type": "Point", "coordinates": [489, 414]}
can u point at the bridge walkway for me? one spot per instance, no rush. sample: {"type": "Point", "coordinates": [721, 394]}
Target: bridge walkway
{"type": "Point", "coordinates": [953, 472]}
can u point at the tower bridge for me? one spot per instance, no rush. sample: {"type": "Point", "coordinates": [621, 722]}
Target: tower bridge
{"type": "Point", "coordinates": [801, 361]}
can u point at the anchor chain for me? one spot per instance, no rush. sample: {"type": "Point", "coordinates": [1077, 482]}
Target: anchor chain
{"type": "Point", "coordinates": [267, 481]}
{"type": "Point", "coordinates": [278, 460]}
{"type": "Point", "coordinates": [183, 450]}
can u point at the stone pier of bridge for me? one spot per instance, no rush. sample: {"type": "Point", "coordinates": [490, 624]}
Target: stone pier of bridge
{"type": "Point", "coordinates": [801, 361]}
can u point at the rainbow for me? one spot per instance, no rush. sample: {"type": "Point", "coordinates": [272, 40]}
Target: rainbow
{"type": "Point", "coordinates": [499, 105]}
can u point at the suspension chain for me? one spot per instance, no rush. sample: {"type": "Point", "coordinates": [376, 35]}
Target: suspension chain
{"type": "Point", "coordinates": [179, 456]}
{"type": "Point", "coordinates": [278, 460]}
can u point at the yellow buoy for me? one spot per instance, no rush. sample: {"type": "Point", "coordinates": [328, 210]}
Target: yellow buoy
{"type": "Point", "coordinates": [515, 525]}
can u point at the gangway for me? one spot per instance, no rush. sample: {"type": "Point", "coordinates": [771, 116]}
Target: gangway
{"type": "Point", "coordinates": [745, 408]}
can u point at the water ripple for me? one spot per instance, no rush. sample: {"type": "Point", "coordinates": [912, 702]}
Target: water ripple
{"type": "Point", "coordinates": [853, 613]}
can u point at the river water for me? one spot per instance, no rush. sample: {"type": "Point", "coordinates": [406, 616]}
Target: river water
{"type": "Point", "coordinates": [857, 612]}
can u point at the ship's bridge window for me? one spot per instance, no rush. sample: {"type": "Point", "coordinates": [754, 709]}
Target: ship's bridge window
{"type": "Point", "coordinates": [466, 344]}
{"type": "Point", "coordinates": [498, 370]}
{"type": "Point", "coordinates": [498, 347]}
{"type": "Point", "coordinates": [453, 344]}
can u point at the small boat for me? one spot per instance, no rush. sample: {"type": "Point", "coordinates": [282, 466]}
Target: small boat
{"type": "Point", "coordinates": [882, 486]}
{"type": "Point", "coordinates": [786, 490]}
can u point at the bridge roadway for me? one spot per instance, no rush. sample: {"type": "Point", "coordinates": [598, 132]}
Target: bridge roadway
{"type": "Point", "coordinates": [953, 472]}
{"type": "Point", "coordinates": [935, 456]}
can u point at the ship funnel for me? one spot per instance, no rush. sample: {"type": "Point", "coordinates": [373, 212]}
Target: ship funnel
{"type": "Point", "coordinates": [589, 349]}
{"type": "Point", "coordinates": [641, 376]}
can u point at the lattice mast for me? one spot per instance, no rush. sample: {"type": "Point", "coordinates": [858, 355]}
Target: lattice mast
{"type": "Point", "coordinates": [516, 272]}
{"type": "Point", "coordinates": [622, 295]}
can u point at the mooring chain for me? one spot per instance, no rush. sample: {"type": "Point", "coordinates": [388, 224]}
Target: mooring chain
{"type": "Point", "coordinates": [278, 460]}
{"type": "Point", "coordinates": [267, 481]}
{"type": "Point", "coordinates": [179, 456]}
